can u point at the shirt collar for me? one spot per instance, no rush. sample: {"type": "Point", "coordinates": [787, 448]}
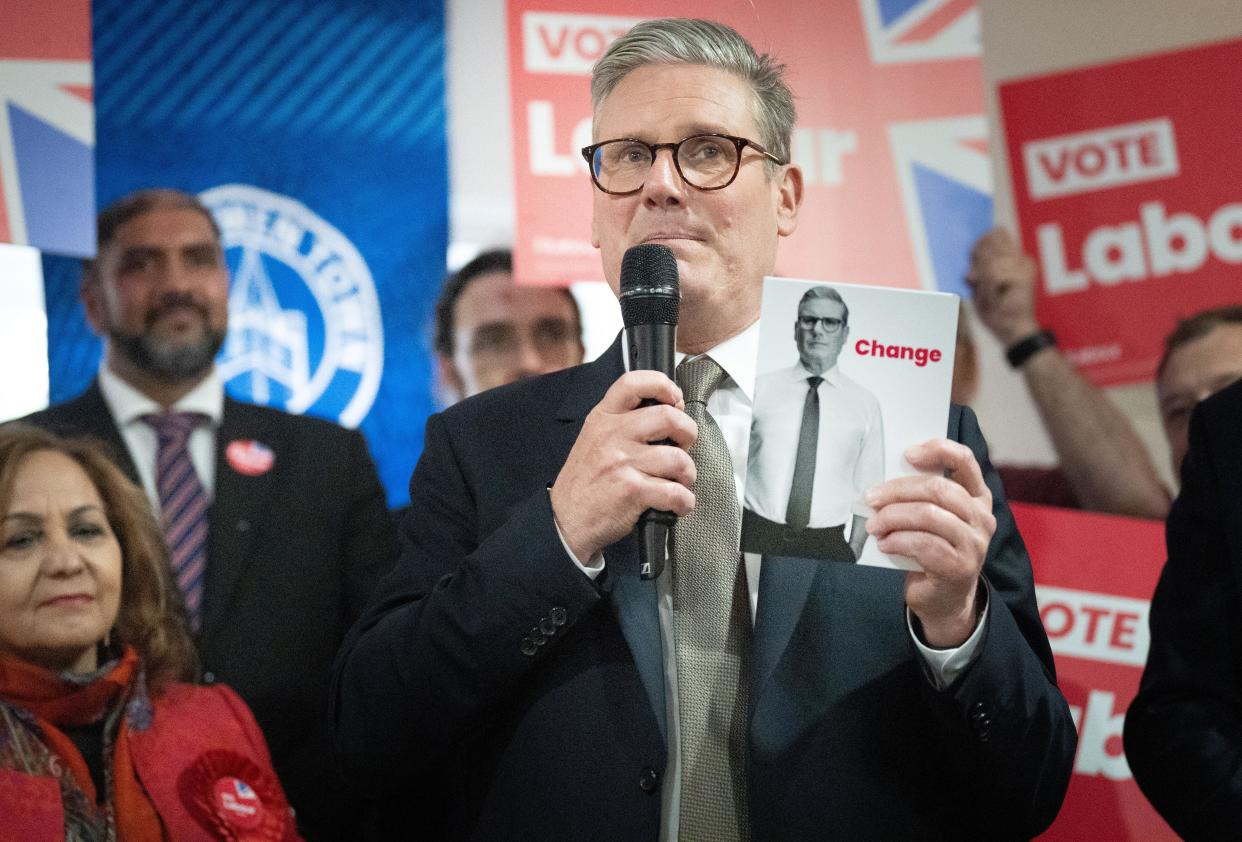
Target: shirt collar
{"type": "Point", "coordinates": [832, 376]}
{"type": "Point", "coordinates": [736, 355]}
{"type": "Point", "coordinates": [129, 405]}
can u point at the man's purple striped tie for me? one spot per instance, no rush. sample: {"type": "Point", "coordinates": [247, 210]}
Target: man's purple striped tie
{"type": "Point", "coordinates": [183, 504]}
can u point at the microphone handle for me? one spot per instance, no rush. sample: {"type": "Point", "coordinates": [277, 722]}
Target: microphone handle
{"type": "Point", "coordinates": [653, 348]}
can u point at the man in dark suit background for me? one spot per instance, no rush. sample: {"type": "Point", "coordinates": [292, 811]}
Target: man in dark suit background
{"type": "Point", "coordinates": [1183, 732]}
{"type": "Point", "coordinates": [516, 672]}
{"type": "Point", "coordinates": [277, 523]}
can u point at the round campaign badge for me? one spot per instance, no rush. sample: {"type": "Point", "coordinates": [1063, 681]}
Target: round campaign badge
{"type": "Point", "coordinates": [233, 799]}
{"type": "Point", "coordinates": [238, 804]}
{"type": "Point", "coordinates": [249, 457]}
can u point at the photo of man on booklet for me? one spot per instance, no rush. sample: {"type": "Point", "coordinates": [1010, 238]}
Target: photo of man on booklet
{"type": "Point", "coordinates": [867, 375]}
{"type": "Point", "coordinates": [803, 501]}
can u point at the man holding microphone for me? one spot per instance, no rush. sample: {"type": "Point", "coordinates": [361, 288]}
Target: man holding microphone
{"type": "Point", "coordinates": [516, 667]}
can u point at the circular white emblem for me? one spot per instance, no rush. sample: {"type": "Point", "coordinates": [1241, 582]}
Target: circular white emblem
{"type": "Point", "coordinates": [304, 320]}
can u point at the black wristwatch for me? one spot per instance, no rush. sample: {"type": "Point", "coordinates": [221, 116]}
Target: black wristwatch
{"type": "Point", "coordinates": [1024, 349]}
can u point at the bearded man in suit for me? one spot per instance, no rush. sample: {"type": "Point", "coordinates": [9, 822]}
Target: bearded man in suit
{"type": "Point", "coordinates": [276, 523]}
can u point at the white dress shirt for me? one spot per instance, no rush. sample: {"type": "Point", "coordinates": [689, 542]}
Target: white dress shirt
{"type": "Point", "coordinates": [849, 450]}
{"type": "Point", "coordinates": [730, 405]}
{"type": "Point", "coordinates": [128, 405]}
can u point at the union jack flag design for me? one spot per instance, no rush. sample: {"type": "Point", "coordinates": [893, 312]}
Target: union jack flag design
{"type": "Point", "coordinates": [919, 30]}
{"type": "Point", "coordinates": [47, 127]}
{"type": "Point", "coordinates": [903, 92]}
{"type": "Point", "coordinates": [945, 177]}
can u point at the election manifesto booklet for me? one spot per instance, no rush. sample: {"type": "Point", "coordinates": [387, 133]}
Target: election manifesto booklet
{"type": "Point", "coordinates": [848, 378]}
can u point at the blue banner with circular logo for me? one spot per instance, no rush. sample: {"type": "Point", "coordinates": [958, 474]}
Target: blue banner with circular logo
{"type": "Point", "coordinates": [315, 132]}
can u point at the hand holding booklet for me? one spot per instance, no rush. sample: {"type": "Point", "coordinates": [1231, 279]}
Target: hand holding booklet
{"type": "Point", "coordinates": [849, 378]}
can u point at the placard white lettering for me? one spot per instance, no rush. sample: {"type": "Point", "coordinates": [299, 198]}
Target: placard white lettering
{"type": "Point", "coordinates": [1096, 626]}
{"type": "Point", "coordinates": [568, 44]}
{"type": "Point", "coordinates": [1099, 159]}
{"type": "Point", "coordinates": [1155, 246]}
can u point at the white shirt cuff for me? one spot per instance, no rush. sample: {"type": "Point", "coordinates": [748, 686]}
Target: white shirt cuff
{"type": "Point", "coordinates": [945, 665]}
{"type": "Point", "coordinates": [592, 568]}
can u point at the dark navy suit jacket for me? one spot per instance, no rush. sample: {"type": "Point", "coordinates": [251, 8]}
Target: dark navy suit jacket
{"type": "Point", "coordinates": [1183, 732]}
{"type": "Point", "coordinates": [445, 709]}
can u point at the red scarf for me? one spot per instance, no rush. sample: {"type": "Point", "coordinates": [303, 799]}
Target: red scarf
{"type": "Point", "coordinates": [59, 704]}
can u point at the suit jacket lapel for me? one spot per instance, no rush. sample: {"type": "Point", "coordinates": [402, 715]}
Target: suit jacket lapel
{"type": "Point", "coordinates": [237, 508]}
{"type": "Point", "coordinates": [784, 584]}
{"type": "Point", "coordinates": [633, 601]}
{"type": "Point", "coordinates": [91, 416]}
{"type": "Point", "coordinates": [636, 605]}
{"type": "Point", "coordinates": [590, 384]}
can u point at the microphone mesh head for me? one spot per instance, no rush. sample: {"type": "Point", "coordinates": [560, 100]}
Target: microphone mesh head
{"type": "Point", "coordinates": [649, 286]}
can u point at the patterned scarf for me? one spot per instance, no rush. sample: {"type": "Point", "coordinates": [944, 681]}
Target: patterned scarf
{"type": "Point", "coordinates": [36, 704]}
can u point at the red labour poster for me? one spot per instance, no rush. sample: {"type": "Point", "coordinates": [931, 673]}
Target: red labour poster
{"type": "Point", "coordinates": [1094, 577]}
{"type": "Point", "coordinates": [890, 136]}
{"type": "Point", "coordinates": [1128, 190]}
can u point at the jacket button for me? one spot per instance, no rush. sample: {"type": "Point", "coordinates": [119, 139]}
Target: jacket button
{"type": "Point", "coordinates": [980, 722]}
{"type": "Point", "coordinates": [528, 646]}
{"type": "Point", "coordinates": [558, 616]}
{"type": "Point", "coordinates": [209, 678]}
{"type": "Point", "coordinates": [546, 627]}
{"type": "Point", "coordinates": [648, 779]}
{"type": "Point", "coordinates": [536, 638]}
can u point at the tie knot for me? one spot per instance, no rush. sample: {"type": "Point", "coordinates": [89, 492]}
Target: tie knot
{"type": "Point", "coordinates": [174, 426]}
{"type": "Point", "coordinates": [815, 380]}
{"type": "Point", "coordinates": [699, 378]}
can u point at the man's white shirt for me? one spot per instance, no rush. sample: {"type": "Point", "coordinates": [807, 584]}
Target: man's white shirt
{"type": "Point", "coordinates": [731, 407]}
{"type": "Point", "coordinates": [128, 405]}
{"type": "Point", "coordinates": [849, 453]}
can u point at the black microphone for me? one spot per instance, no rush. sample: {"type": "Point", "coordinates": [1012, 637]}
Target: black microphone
{"type": "Point", "coordinates": [650, 302]}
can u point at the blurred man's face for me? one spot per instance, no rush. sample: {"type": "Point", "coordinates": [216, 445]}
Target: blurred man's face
{"type": "Point", "coordinates": [820, 332]}
{"type": "Point", "coordinates": [160, 295]}
{"type": "Point", "coordinates": [503, 332]}
{"type": "Point", "coordinates": [1193, 372]}
{"type": "Point", "coordinates": [725, 240]}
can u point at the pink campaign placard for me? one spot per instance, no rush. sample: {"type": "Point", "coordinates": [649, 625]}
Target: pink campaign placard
{"type": "Point", "coordinates": [1128, 190]}
{"type": "Point", "coordinates": [890, 136]}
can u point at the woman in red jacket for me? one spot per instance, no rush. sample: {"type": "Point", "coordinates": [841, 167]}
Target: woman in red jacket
{"type": "Point", "coordinates": [100, 739]}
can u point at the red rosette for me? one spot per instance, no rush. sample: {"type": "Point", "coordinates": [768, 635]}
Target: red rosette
{"type": "Point", "coordinates": [233, 798]}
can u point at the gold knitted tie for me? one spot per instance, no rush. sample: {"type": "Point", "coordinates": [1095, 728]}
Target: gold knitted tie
{"type": "Point", "coordinates": [712, 632]}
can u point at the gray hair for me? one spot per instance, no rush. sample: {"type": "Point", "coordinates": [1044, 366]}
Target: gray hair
{"type": "Point", "coordinates": [703, 42]}
{"type": "Point", "coordinates": [832, 295]}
